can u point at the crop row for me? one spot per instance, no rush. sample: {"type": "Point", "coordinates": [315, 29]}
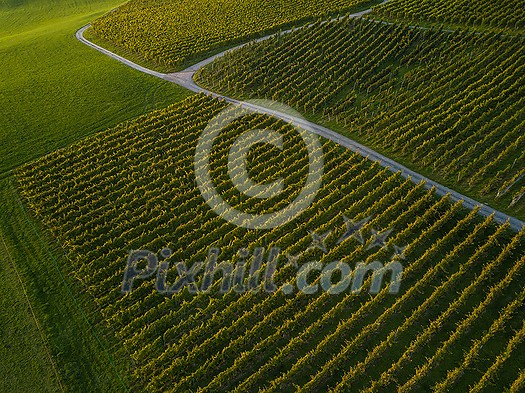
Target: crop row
{"type": "Point", "coordinates": [451, 102]}
{"type": "Point", "coordinates": [132, 187]}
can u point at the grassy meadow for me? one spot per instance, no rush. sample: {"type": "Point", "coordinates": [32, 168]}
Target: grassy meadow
{"type": "Point", "coordinates": [55, 90]}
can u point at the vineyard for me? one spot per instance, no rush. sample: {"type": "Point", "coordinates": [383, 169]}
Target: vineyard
{"type": "Point", "coordinates": [449, 104]}
{"type": "Point", "coordinates": [505, 15]}
{"type": "Point", "coordinates": [169, 33]}
{"type": "Point", "coordinates": [132, 187]}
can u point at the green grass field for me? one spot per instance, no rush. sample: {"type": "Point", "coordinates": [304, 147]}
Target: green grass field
{"type": "Point", "coordinates": [55, 90]}
{"type": "Point", "coordinates": [24, 350]}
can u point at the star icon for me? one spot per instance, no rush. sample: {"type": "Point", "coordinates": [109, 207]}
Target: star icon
{"type": "Point", "coordinates": [353, 229]}
{"type": "Point", "coordinates": [379, 238]}
{"type": "Point", "coordinates": [318, 241]}
{"type": "Point", "coordinates": [399, 252]}
{"type": "Point", "coordinates": [292, 260]}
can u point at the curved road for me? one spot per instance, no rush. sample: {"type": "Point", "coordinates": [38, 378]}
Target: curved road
{"type": "Point", "coordinates": [185, 79]}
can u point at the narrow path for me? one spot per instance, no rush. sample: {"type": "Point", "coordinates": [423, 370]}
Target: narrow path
{"type": "Point", "coordinates": [185, 79]}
